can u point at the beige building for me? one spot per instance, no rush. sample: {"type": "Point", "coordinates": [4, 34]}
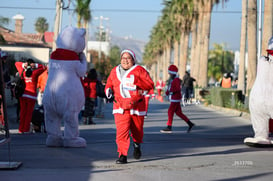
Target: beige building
{"type": "Point", "coordinates": [22, 45]}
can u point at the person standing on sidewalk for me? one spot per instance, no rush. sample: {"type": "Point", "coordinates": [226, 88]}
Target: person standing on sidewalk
{"type": "Point", "coordinates": [174, 93]}
{"type": "Point", "coordinates": [27, 101]}
{"type": "Point", "coordinates": [127, 83]}
{"type": "Point", "coordinates": [89, 85]}
{"type": "Point", "coordinates": [42, 79]}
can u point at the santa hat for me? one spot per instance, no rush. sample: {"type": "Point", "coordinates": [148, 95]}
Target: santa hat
{"type": "Point", "coordinates": [173, 69]}
{"type": "Point", "coordinates": [130, 52]}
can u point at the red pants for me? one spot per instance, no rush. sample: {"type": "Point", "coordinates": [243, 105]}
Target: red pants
{"type": "Point", "coordinates": [126, 123]}
{"type": "Point", "coordinates": [175, 107]}
{"type": "Point", "coordinates": [27, 107]}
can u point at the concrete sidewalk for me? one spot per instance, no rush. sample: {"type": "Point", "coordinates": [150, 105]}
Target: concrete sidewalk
{"type": "Point", "coordinates": [214, 150]}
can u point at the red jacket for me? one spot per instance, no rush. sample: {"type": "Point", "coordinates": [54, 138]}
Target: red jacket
{"type": "Point", "coordinates": [31, 82]}
{"type": "Point", "coordinates": [89, 88]}
{"type": "Point", "coordinates": [128, 90]}
{"type": "Point", "coordinates": [159, 84]}
{"type": "Point", "coordinates": [174, 90]}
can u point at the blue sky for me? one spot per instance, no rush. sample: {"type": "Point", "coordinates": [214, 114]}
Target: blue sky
{"type": "Point", "coordinates": [124, 20]}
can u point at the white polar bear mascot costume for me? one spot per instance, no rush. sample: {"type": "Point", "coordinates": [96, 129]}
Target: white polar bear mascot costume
{"type": "Point", "coordinates": [261, 101]}
{"type": "Point", "coordinates": [64, 94]}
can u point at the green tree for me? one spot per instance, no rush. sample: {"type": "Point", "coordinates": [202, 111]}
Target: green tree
{"type": "Point", "coordinates": [220, 61]}
{"type": "Point", "coordinates": [114, 56]}
{"type": "Point", "coordinates": [41, 25]}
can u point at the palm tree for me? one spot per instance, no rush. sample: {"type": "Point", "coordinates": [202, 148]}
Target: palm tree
{"type": "Point", "coordinates": [41, 25]}
{"type": "Point", "coordinates": [241, 73]}
{"type": "Point", "coordinates": [83, 13]}
{"type": "Point", "coordinates": [4, 20]}
{"type": "Point", "coordinates": [206, 7]}
{"type": "Point", "coordinates": [252, 43]}
{"type": "Point", "coordinates": [268, 23]}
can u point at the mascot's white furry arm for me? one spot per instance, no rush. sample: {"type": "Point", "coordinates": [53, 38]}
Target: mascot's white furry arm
{"type": "Point", "coordinates": [261, 101]}
{"type": "Point", "coordinates": [64, 95]}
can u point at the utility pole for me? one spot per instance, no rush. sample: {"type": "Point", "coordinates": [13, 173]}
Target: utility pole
{"type": "Point", "coordinates": [101, 18]}
{"type": "Point", "coordinates": [259, 30]}
{"type": "Point", "coordinates": [58, 20]}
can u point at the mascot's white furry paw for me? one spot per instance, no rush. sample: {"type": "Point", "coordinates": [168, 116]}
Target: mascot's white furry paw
{"type": "Point", "coordinates": [54, 141]}
{"type": "Point", "coordinates": [75, 142]}
{"type": "Point", "coordinates": [258, 142]}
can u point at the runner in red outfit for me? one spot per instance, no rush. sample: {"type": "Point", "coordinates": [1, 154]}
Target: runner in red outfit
{"type": "Point", "coordinates": [127, 83]}
{"type": "Point", "coordinates": [174, 93]}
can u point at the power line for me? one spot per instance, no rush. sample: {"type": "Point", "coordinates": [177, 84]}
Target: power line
{"type": "Point", "coordinates": [112, 10]}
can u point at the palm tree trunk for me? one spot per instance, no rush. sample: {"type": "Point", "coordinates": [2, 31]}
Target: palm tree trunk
{"type": "Point", "coordinates": [241, 74]}
{"type": "Point", "coordinates": [185, 53]}
{"type": "Point", "coordinates": [268, 23]}
{"type": "Point", "coordinates": [252, 43]}
{"type": "Point", "coordinates": [181, 61]}
{"type": "Point", "coordinates": [199, 42]}
{"type": "Point", "coordinates": [168, 59]}
{"type": "Point", "coordinates": [203, 73]}
{"type": "Point", "coordinates": [193, 47]}
{"type": "Point", "coordinates": [176, 53]}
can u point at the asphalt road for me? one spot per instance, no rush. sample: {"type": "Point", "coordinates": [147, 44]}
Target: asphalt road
{"type": "Point", "coordinates": [214, 150]}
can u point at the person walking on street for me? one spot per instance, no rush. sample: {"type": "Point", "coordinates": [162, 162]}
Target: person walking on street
{"type": "Point", "coordinates": [187, 88]}
{"type": "Point", "coordinates": [174, 93]}
{"type": "Point", "coordinates": [127, 83]}
{"type": "Point", "coordinates": [100, 97]}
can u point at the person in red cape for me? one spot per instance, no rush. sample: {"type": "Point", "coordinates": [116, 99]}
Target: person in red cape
{"type": "Point", "coordinates": [126, 84]}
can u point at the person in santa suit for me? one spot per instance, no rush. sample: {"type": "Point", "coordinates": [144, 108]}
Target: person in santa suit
{"type": "Point", "coordinates": [159, 87]}
{"type": "Point", "coordinates": [30, 72]}
{"type": "Point", "coordinates": [174, 93]}
{"type": "Point", "coordinates": [126, 84]}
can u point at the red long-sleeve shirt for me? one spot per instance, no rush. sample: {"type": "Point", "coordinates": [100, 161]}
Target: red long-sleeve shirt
{"type": "Point", "coordinates": [31, 82]}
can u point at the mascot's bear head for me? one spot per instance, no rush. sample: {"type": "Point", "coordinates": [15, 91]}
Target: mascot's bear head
{"type": "Point", "coordinates": [72, 38]}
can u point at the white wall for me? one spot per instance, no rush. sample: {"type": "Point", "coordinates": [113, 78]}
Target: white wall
{"type": "Point", "coordinates": [97, 45]}
{"type": "Point", "coordinates": [38, 54]}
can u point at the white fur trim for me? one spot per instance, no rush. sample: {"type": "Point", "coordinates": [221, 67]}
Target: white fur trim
{"type": "Point", "coordinates": [172, 72]}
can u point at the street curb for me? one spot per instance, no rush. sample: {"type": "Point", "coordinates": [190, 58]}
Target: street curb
{"type": "Point", "coordinates": [234, 112]}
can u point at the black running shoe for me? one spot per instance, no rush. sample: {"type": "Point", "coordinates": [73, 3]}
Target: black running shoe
{"type": "Point", "coordinates": [137, 151]}
{"type": "Point", "coordinates": [190, 126]}
{"type": "Point", "coordinates": [122, 160]}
